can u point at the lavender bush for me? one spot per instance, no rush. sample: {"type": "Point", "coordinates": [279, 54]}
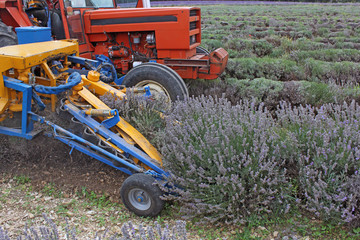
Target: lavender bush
{"type": "Point", "coordinates": [323, 143]}
{"type": "Point", "coordinates": [226, 160]}
{"type": "Point", "coordinates": [342, 73]}
{"type": "Point", "coordinates": [275, 69]}
{"type": "Point", "coordinates": [128, 232]}
{"type": "Point", "coordinates": [230, 162]}
{"type": "Point", "coordinates": [271, 93]}
{"type": "Point", "coordinates": [143, 113]}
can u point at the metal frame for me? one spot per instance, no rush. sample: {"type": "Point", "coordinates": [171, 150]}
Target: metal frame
{"type": "Point", "coordinates": [26, 130]}
{"type": "Point", "coordinates": [133, 158]}
{"type": "Point", "coordinates": [110, 136]}
{"type": "Point", "coordinates": [76, 142]}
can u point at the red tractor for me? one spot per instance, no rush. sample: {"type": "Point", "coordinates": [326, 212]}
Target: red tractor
{"type": "Point", "coordinates": [155, 47]}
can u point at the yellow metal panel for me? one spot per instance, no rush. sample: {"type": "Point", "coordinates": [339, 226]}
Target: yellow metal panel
{"type": "Point", "coordinates": [144, 144]}
{"type": "Point", "coordinates": [28, 55]}
{"type": "Point", "coordinates": [15, 107]}
{"type": "Point", "coordinates": [4, 104]}
{"type": "Point", "coordinates": [5, 65]}
{"type": "Point", "coordinates": [4, 95]}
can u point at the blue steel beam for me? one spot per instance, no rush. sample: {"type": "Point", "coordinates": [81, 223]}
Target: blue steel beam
{"type": "Point", "coordinates": [26, 130]}
{"type": "Point", "coordinates": [82, 61]}
{"type": "Point", "coordinates": [72, 140]}
{"type": "Point", "coordinates": [113, 138]}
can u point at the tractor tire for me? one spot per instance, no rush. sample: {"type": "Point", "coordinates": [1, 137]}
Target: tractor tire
{"type": "Point", "coordinates": [57, 27]}
{"type": "Point", "coordinates": [141, 196]}
{"type": "Point", "coordinates": [7, 35]}
{"type": "Point", "coordinates": [202, 50]}
{"type": "Point", "coordinates": [161, 80]}
{"type": "Point", "coordinates": [172, 71]}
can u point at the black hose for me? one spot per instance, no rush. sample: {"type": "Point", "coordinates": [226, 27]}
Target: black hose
{"type": "Point", "coordinates": [105, 78]}
{"type": "Point", "coordinates": [131, 49]}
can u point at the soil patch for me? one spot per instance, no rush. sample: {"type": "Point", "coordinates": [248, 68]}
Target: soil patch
{"type": "Point", "coordinates": [45, 160]}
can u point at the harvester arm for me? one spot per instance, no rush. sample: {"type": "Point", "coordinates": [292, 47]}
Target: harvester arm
{"type": "Point", "coordinates": [135, 135]}
{"type": "Point", "coordinates": [28, 72]}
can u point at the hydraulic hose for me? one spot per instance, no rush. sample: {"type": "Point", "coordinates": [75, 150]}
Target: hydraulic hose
{"type": "Point", "coordinates": [103, 77]}
{"type": "Point", "coordinates": [73, 80]}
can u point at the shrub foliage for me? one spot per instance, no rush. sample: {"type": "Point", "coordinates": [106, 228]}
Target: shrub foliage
{"type": "Point", "coordinates": [229, 162]}
{"type": "Point", "coordinates": [225, 161]}
{"type": "Point", "coordinates": [286, 43]}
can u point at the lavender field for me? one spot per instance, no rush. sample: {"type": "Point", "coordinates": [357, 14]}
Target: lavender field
{"type": "Point", "coordinates": [303, 54]}
{"type": "Point", "coordinates": [193, 3]}
{"type": "Point", "coordinates": [278, 132]}
{"type": "Point", "coordinates": [270, 150]}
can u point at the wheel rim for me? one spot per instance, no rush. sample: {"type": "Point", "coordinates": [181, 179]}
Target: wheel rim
{"type": "Point", "coordinates": [156, 90]}
{"type": "Point", "coordinates": [139, 199]}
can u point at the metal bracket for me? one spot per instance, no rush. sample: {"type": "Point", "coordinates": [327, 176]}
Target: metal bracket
{"type": "Point", "coordinates": [110, 122]}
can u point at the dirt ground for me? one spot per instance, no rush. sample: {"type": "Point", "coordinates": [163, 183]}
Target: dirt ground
{"type": "Point", "coordinates": [45, 160]}
{"type": "Point", "coordinates": [22, 208]}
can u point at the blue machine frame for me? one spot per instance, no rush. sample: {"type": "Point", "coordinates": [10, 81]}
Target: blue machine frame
{"type": "Point", "coordinates": [75, 142]}
{"type": "Point", "coordinates": [27, 126]}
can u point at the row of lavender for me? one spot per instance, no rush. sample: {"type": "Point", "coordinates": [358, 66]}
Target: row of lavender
{"type": "Point", "coordinates": [52, 232]}
{"type": "Point", "coordinates": [237, 159]}
{"type": "Point", "coordinates": [234, 162]}
{"type": "Point", "coordinates": [302, 44]}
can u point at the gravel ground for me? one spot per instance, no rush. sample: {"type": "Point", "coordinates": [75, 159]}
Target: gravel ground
{"type": "Point", "coordinates": [21, 205]}
{"type": "Point", "coordinates": [40, 176]}
{"type": "Point", "coordinates": [91, 215]}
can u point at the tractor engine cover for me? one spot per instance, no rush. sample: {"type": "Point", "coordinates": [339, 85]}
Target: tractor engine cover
{"type": "Point", "coordinates": [170, 26]}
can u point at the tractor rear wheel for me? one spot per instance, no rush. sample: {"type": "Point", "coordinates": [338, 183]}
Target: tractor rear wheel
{"type": "Point", "coordinates": [141, 196]}
{"type": "Point", "coordinates": [172, 71]}
{"type": "Point", "coordinates": [162, 81]}
{"type": "Point", "coordinates": [7, 35]}
{"type": "Point", "coordinates": [57, 27]}
{"type": "Point", "coordinates": [202, 50]}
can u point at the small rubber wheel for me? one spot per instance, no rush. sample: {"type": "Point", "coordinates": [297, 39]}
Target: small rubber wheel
{"type": "Point", "coordinates": [141, 196]}
{"type": "Point", "coordinates": [7, 35]}
{"type": "Point", "coordinates": [161, 80]}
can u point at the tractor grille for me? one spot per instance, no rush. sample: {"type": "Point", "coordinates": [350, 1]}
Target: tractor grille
{"type": "Point", "coordinates": [192, 25]}
{"type": "Point", "coordinates": [195, 24]}
{"type": "Point", "coordinates": [193, 12]}
{"type": "Point", "coordinates": [192, 39]}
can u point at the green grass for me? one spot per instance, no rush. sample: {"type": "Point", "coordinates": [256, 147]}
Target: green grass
{"type": "Point", "coordinates": [100, 201]}
{"type": "Point", "coordinates": [50, 190]}
{"type": "Point", "coordinates": [22, 179]}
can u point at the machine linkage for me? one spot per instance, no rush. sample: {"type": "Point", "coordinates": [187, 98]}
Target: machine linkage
{"type": "Point", "coordinates": [33, 78]}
